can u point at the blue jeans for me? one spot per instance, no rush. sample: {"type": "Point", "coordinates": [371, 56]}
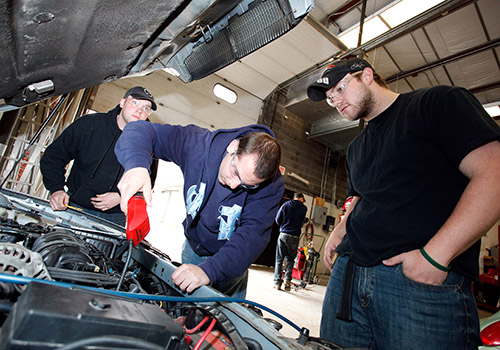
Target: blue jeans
{"type": "Point", "coordinates": [392, 312]}
{"type": "Point", "coordinates": [286, 248]}
{"type": "Point", "coordinates": [236, 288]}
{"type": "Point", "coordinates": [117, 218]}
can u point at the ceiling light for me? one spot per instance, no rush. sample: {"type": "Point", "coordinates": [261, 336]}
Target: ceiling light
{"type": "Point", "coordinates": [225, 93]}
{"type": "Point", "coordinates": [371, 29]}
{"type": "Point", "coordinates": [493, 111]}
{"type": "Point", "coordinates": [387, 18]}
{"type": "Point", "coordinates": [405, 10]}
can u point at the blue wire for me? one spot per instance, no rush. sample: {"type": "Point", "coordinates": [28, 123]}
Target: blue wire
{"type": "Point", "coordinates": [26, 280]}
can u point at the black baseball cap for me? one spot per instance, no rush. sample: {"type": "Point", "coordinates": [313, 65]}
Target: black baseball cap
{"type": "Point", "coordinates": [141, 93]}
{"type": "Point", "coordinates": [333, 74]}
{"type": "Point", "coordinates": [298, 195]}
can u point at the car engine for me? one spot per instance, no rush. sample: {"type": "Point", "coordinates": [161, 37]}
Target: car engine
{"type": "Point", "coordinates": [69, 280]}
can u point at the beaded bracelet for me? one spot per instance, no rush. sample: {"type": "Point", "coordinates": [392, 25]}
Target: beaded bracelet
{"type": "Point", "coordinates": [434, 262]}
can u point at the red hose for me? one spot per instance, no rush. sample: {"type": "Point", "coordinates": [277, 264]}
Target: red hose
{"type": "Point", "coordinates": [205, 335]}
{"type": "Point", "coordinates": [198, 326]}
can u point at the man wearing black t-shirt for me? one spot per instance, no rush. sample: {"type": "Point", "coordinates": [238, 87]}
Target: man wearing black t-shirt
{"type": "Point", "coordinates": [423, 176]}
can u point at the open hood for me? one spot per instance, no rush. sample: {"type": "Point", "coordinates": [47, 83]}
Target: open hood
{"type": "Point", "coordinates": [47, 48]}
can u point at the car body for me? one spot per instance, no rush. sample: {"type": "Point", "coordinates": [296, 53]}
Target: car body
{"type": "Point", "coordinates": [490, 332]}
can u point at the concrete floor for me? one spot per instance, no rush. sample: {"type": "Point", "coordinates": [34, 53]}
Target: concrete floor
{"type": "Point", "coordinates": [301, 306]}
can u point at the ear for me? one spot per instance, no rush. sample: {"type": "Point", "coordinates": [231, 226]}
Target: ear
{"type": "Point", "coordinates": [122, 102]}
{"type": "Point", "coordinates": [233, 146]}
{"type": "Point", "coordinates": [367, 76]}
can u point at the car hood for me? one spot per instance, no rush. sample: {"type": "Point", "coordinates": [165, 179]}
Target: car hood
{"type": "Point", "coordinates": [48, 49]}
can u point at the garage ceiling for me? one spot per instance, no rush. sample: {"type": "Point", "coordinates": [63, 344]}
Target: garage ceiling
{"type": "Point", "coordinates": [453, 43]}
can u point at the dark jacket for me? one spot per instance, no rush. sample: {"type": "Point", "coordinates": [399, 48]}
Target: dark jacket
{"type": "Point", "coordinates": [230, 226]}
{"type": "Point", "coordinates": [90, 142]}
{"type": "Point", "coordinates": [291, 216]}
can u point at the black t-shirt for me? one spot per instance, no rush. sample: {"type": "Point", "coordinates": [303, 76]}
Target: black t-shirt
{"type": "Point", "coordinates": [404, 166]}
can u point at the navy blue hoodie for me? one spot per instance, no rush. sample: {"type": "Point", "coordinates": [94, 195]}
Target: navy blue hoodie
{"type": "Point", "coordinates": [231, 226]}
{"type": "Point", "coordinates": [291, 216]}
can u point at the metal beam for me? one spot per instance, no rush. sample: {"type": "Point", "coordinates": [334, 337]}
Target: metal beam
{"type": "Point", "coordinates": [325, 32]}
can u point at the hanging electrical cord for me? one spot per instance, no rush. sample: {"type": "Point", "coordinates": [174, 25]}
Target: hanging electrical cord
{"type": "Point", "coordinates": [125, 268]}
{"type": "Point", "coordinates": [324, 174]}
{"type": "Point", "coordinates": [34, 138]}
{"type": "Point", "coordinates": [25, 280]}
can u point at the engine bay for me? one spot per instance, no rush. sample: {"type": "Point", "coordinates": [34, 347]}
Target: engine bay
{"type": "Point", "coordinates": [69, 280]}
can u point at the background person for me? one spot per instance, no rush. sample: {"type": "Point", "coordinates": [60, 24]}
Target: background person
{"type": "Point", "coordinates": [232, 190]}
{"type": "Point", "coordinates": [424, 176]}
{"type": "Point", "coordinates": [290, 218]}
{"type": "Point", "coordinates": [90, 141]}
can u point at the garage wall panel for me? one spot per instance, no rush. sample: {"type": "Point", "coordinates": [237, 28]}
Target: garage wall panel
{"type": "Point", "coordinates": [180, 103]}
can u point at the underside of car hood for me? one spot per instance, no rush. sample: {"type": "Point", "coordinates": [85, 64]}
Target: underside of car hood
{"type": "Point", "coordinates": [75, 45]}
{"type": "Point", "coordinates": [47, 48]}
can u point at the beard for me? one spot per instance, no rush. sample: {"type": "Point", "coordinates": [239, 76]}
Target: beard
{"type": "Point", "coordinates": [365, 104]}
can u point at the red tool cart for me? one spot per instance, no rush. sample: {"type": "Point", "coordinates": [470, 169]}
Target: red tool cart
{"type": "Point", "coordinates": [304, 267]}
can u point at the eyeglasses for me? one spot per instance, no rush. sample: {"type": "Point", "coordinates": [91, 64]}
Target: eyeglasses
{"type": "Point", "coordinates": [236, 172]}
{"type": "Point", "coordinates": [136, 104]}
{"type": "Point", "coordinates": [339, 90]}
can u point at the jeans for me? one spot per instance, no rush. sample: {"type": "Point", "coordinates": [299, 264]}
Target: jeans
{"type": "Point", "coordinates": [117, 218]}
{"type": "Point", "coordinates": [392, 312]}
{"type": "Point", "coordinates": [286, 248]}
{"type": "Point", "coordinates": [236, 288]}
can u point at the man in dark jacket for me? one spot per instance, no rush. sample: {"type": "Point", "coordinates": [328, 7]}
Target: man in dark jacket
{"type": "Point", "coordinates": [290, 218]}
{"type": "Point", "coordinates": [90, 141]}
{"type": "Point", "coordinates": [232, 190]}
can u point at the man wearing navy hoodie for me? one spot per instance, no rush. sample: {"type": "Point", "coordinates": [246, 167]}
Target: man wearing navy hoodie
{"type": "Point", "coordinates": [232, 190]}
{"type": "Point", "coordinates": [290, 218]}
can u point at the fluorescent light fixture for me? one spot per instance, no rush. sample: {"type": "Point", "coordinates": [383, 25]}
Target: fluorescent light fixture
{"type": "Point", "coordinates": [298, 177]}
{"type": "Point", "coordinates": [405, 10]}
{"type": "Point", "coordinates": [224, 93]}
{"type": "Point", "coordinates": [387, 18]}
{"type": "Point", "coordinates": [171, 71]}
{"type": "Point", "coordinates": [493, 111]}
{"type": "Point", "coordinates": [371, 29]}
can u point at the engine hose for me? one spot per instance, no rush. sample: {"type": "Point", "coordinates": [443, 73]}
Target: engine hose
{"type": "Point", "coordinates": [26, 280]}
